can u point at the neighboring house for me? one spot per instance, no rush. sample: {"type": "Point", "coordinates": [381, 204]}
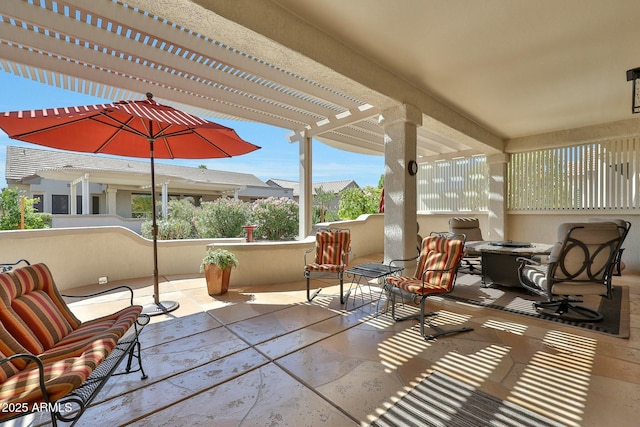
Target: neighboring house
{"type": "Point", "coordinates": [334, 187]}
{"type": "Point", "coordinates": [70, 183]}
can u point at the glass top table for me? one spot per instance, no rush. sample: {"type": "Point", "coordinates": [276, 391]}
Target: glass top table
{"type": "Point", "coordinates": [369, 271]}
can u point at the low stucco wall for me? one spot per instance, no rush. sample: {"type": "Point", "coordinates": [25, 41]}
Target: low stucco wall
{"type": "Point", "coordinates": [79, 256]}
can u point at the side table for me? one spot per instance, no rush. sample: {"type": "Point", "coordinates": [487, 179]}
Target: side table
{"type": "Point", "coordinates": [369, 271]}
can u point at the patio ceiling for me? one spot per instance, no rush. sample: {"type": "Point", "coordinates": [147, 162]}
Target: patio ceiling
{"type": "Point", "coordinates": [489, 76]}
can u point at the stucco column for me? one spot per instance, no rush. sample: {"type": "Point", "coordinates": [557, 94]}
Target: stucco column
{"type": "Point", "coordinates": [86, 195]}
{"type": "Point", "coordinates": [497, 164]}
{"type": "Point", "coordinates": [400, 141]}
{"type": "Point", "coordinates": [305, 189]}
{"type": "Point", "coordinates": [111, 200]}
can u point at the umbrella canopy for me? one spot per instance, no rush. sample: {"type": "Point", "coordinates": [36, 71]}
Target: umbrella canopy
{"type": "Point", "coordinates": [124, 129]}
{"type": "Point", "coordinates": [138, 128]}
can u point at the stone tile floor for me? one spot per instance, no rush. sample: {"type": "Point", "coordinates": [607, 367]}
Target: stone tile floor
{"type": "Point", "coordinates": [264, 356]}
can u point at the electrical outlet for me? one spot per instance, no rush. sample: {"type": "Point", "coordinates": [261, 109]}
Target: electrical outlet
{"type": "Point", "coordinates": [103, 280]}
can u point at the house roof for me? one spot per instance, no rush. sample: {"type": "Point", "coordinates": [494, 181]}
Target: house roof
{"type": "Point", "coordinates": [25, 162]}
{"type": "Point", "coordinates": [330, 186]}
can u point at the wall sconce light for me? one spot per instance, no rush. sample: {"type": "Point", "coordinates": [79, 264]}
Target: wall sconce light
{"type": "Point", "coordinates": [634, 75]}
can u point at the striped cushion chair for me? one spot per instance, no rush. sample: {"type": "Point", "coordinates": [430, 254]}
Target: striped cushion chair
{"type": "Point", "coordinates": [435, 274]}
{"type": "Point", "coordinates": [331, 256]}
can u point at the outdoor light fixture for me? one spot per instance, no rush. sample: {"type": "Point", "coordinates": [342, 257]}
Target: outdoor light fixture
{"type": "Point", "coordinates": [634, 75]}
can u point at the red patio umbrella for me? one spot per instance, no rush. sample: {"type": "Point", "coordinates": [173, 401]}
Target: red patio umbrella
{"type": "Point", "coordinates": [138, 128]}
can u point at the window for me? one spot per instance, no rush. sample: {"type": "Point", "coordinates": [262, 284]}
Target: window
{"type": "Point", "coordinates": [60, 204]}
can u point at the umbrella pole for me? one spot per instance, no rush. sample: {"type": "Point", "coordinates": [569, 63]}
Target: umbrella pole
{"type": "Point", "coordinates": [157, 307]}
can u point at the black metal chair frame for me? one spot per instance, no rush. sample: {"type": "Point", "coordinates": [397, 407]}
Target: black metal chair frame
{"type": "Point", "coordinates": [394, 291]}
{"type": "Point", "coordinates": [340, 274]}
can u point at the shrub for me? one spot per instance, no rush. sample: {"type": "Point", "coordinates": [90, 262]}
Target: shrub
{"type": "Point", "coordinates": [169, 229]}
{"type": "Point", "coordinates": [222, 218]}
{"type": "Point", "coordinates": [355, 202]}
{"type": "Point", "coordinates": [10, 212]}
{"type": "Point", "coordinates": [276, 218]}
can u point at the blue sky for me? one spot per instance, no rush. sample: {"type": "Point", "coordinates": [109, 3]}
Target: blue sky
{"type": "Point", "coordinates": [276, 159]}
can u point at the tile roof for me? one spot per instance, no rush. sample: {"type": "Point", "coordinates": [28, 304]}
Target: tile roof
{"type": "Point", "coordinates": [25, 162]}
{"type": "Point", "coordinates": [330, 186]}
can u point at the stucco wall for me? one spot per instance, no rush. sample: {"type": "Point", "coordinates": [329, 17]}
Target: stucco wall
{"type": "Point", "coordinates": [79, 256]}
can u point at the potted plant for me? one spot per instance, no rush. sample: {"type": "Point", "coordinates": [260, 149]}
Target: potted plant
{"type": "Point", "coordinates": [217, 265]}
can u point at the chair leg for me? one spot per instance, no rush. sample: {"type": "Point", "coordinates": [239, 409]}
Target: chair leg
{"type": "Point", "coordinates": [422, 319]}
{"type": "Point", "coordinates": [564, 309]}
{"type": "Point", "coordinates": [438, 330]}
{"type": "Point", "coordinates": [315, 293]}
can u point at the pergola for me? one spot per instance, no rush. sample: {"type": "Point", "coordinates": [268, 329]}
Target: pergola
{"type": "Point", "coordinates": [415, 81]}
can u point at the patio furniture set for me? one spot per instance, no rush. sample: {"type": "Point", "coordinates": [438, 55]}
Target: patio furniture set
{"type": "Point", "coordinates": [582, 262]}
{"type": "Point", "coordinates": [51, 361]}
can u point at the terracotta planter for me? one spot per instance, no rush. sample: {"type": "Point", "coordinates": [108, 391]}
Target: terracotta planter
{"type": "Point", "coordinates": [217, 280]}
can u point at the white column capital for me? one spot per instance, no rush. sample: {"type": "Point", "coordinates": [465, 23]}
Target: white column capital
{"type": "Point", "coordinates": [498, 158]}
{"type": "Point", "coordinates": [404, 113]}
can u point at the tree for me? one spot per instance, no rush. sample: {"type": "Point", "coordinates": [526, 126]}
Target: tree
{"type": "Point", "coordinates": [11, 211]}
{"type": "Point", "coordinates": [356, 201]}
{"type": "Point", "coordinates": [323, 198]}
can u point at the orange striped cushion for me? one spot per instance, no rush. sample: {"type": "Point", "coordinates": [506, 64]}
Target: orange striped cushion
{"type": "Point", "coordinates": [112, 327]}
{"type": "Point", "coordinates": [7, 369]}
{"type": "Point", "coordinates": [16, 327]}
{"type": "Point", "coordinates": [438, 260]}
{"type": "Point", "coordinates": [331, 250]}
{"type": "Point", "coordinates": [38, 277]}
{"type": "Point", "coordinates": [39, 312]}
{"type": "Point", "coordinates": [33, 310]}
{"type": "Point", "coordinates": [61, 377]}
{"type": "Point", "coordinates": [8, 347]}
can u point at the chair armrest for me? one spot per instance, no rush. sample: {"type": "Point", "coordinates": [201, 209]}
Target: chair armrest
{"type": "Point", "coordinates": [104, 292]}
{"type": "Point", "coordinates": [308, 251]}
{"type": "Point", "coordinates": [4, 267]}
{"type": "Point", "coordinates": [395, 261]}
{"type": "Point", "coordinates": [528, 261]}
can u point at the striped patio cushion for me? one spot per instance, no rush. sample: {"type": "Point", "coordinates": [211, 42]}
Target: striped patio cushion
{"type": "Point", "coordinates": [8, 347]}
{"type": "Point", "coordinates": [438, 260]}
{"type": "Point", "coordinates": [11, 320]}
{"type": "Point", "coordinates": [33, 307]}
{"type": "Point", "coordinates": [60, 377]}
{"type": "Point", "coordinates": [38, 277]}
{"type": "Point", "coordinates": [7, 369]}
{"type": "Point", "coordinates": [112, 327]}
{"type": "Point", "coordinates": [331, 251]}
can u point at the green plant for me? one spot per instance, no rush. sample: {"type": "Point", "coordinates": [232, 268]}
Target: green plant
{"type": "Point", "coordinates": [223, 217]}
{"type": "Point", "coordinates": [355, 202]}
{"type": "Point", "coordinates": [11, 207]}
{"type": "Point", "coordinates": [223, 258]}
{"type": "Point", "coordinates": [276, 218]}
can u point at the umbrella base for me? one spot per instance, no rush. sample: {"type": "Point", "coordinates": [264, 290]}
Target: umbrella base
{"type": "Point", "coordinates": [163, 307]}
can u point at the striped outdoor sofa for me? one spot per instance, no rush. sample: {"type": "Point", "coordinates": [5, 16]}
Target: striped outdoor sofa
{"type": "Point", "coordinates": [51, 361]}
